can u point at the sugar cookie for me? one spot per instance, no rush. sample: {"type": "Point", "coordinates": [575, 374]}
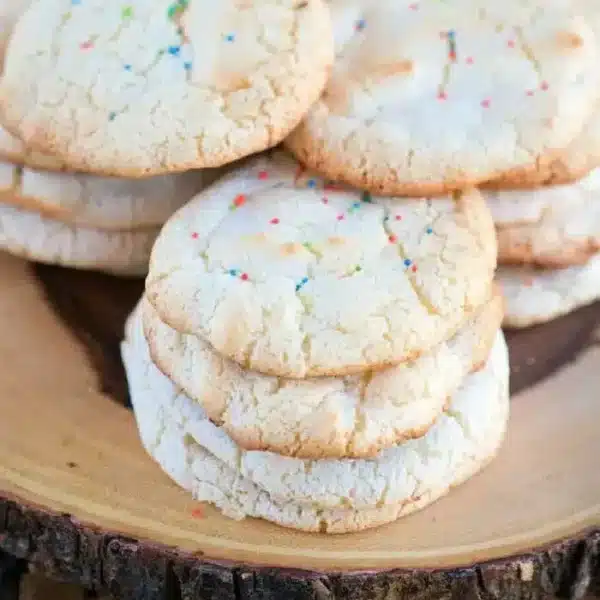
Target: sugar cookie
{"type": "Point", "coordinates": [38, 238]}
{"type": "Point", "coordinates": [290, 276]}
{"type": "Point", "coordinates": [152, 86]}
{"type": "Point", "coordinates": [426, 97]}
{"type": "Point", "coordinates": [553, 226]}
{"type": "Point", "coordinates": [534, 297]}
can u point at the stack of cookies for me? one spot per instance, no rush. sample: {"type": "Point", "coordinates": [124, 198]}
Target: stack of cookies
{"type": "Point", "coordinates": [318, 356]}
{"type": "Point", "coordinates": [319, 340]}
{"type": "Point", "coordinates": [113, 94]}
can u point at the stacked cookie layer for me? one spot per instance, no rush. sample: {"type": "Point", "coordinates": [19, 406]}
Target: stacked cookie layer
{"type": "Point", "coordinates": [549, 239]}
{"type": "Point", "coordinates": [324, 358]}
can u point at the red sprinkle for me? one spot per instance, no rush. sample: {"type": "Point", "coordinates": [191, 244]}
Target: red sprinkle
{"type": "Point", "coordinates": [325, 200]}
{"type": "Point", "coordinates": [398, 217]}
{"type": "Point", "coordinates": [393, 238]}
{"type": "Point", "coordinates": [544, 86]}
{"type": "Point", "coordinates": [414, 268]}
{"type": "Point", "coordinates": [442, 96]}
{"type": "Point", "coordinates": [511, 43]}
{"type": "Point", "coordinates": [274, 221]}
{"type": "Point", "coordinates": [239, 200]}
{"type": "Point", "coordinates": [486, 103]}
{"type": "Point", "coordinates": [244, 276]}
{"type": "Point", "coordinates": [530, 92]}
{"type": "Point", "coordinates": [340, 217]}
{"type": "Point", "coordinates": [198, 513]}
{"type": "Point", "coordinates": [195, 235]}
{"type": "Point", "coordinates": [470, 60]}
{"type": "Point", "coordinates": [263, 175]}
{"type": "Point", "coordinates": [86, 45]}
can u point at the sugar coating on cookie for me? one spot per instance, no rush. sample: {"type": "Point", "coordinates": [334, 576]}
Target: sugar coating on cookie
{"type": "Point", "coordinates": [538, 296]}
{"type": "Point", "coordinates": [462, 443]}
{"type": "Point", "coordinates": [32, 236]}
{"type": "Point", "coordinates": [354, 416]}
{"type": "Point", "coordinates": [106, 203]}
{"type": "Point", "coordinates": [428, 96]}
{"type": "Point", "coordinates": [150, 86]}
{"type": "Point", "coordinates": [290, 275]}
{"type": "Point", "coordinates": [551, 226]}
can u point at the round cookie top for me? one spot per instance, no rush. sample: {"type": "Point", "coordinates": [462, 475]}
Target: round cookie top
{"type": "Point", "coordinates": [353, 416]}
{"type": "Point", "coordinates": [290, 275]}
{"type": "Point", "coordinates": [107, 203]}
{"type": "Point", "coordinates": [430, 96]}
{"type": "Point", "coordinates": [555, 226]}
{"type": "Point", "coordinates": [151, 86]}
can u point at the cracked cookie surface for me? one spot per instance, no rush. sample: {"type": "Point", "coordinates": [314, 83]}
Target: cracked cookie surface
{"type": "Point", "coordinates": [354, 416]}
{"type": "Point", "coordinates": [106, 203]}
{"type": "Point", "coordinates": [333, 496]}
{"type": "Point", "coordinates": [428, 96]}
{"type": "Point", "coordinates": [32, 236]}
{"type": "Point", "coordinates": [289, 275]}
{"type": "Point", "coordinates": [152, 86]}
{"type": "Point", "coordinates": [538, 296]}
{"type": "Point", "coordinates": [555, 226]}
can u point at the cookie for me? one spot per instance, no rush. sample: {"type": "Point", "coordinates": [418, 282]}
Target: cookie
{"type": "Point", "coordinates": [105, 203]}
{"type": "Point", "coordinates": [149, 87]}
{"type": "Point", "coordinates": [288, 275]}
{"type": "Point", "coordinates": [354, 416]}
{"type": "Point", "coordinates": [537, 296]}
{"type": "Point", "coordinates": [462, 443]}
{"type": "Point", "coordinates": [555, 226]}
{"type": "Point", "coordinates": [427, 97]}
{"type": "Point", "coordinates": [45, 240]}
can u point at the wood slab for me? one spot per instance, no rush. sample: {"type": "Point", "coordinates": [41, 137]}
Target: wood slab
{"type": "Point", "coordinates": [81, 500]}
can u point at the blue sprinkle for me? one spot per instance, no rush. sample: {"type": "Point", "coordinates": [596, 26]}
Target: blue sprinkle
{"type": "Point", "coordinates": [174, 50]}
{"type": "Point", "coordinates": [112, 116]}
{"type": "Point", "coordinates": [407, 262]}
{"type": "Point", "coordinates": [187, 66]}
{"type": "Point", "coordinates": [127, 67]}
{"type": "Point", "coordinates": [230, 37]}
{"type": "Point", "coordinates": [360, 24]}
{"type": "Point", "coordinates": [302, 283]}
{"type": "Point", "coordinates": [233, 272]}
{"type": "Point", "coordinates": [429, 230]}
{"type": "Point", "coordinates": [312, 183]}
{"type": "Point", "coordinates": [356, 205]}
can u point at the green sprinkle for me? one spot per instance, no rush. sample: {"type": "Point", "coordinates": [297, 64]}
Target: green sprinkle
{"type": "Point", "coordinates": [127, 12]}
{"type": "Point", "coordinates": [367, 197]}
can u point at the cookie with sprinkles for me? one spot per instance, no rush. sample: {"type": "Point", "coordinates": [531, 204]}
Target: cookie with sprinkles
{"type": "Point", "coordinates": [534, 296]}
{"type": "Point", "coordinates": [107, 203]}
{"type": "Point", "coordinates": [142, 87]}
{"type": "Point", "coordinates": [431, 96]}
{"type": "Point", "coordinates": [288, 274]}
{"type": "Point", "coordinates": [551, 226]}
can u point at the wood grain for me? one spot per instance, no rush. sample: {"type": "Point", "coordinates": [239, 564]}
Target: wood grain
{"type": "Point", "coordinates": [81, 502]}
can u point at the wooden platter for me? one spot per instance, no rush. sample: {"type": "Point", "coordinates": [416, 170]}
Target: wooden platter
{"type": "Point", "coordinates": [81, 501]}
